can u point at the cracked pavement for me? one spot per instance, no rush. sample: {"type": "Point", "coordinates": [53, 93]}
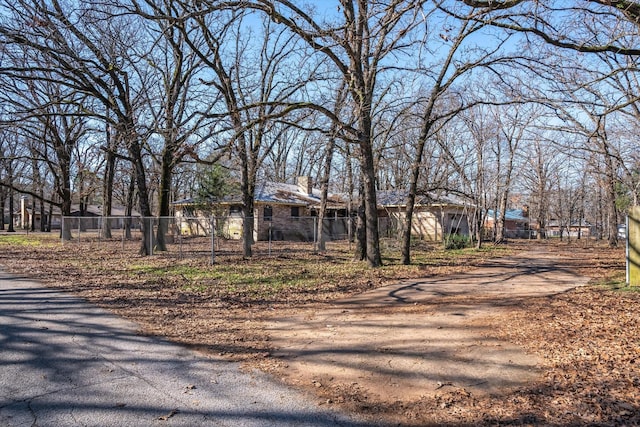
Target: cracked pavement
{"type": "Point", "coordinates": [64, 362]}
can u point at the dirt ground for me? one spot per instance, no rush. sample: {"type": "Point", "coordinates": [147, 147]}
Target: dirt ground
{"type": "Point", "coordinates": [521, 340]}
{"type": "Point", "coordinates": [421, 340]}
{"type": "Point", "coordinates": [413, 339]}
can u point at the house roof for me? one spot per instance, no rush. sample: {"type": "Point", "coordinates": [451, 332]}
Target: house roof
{"type": "Point", "coordinates": [234, 199]}
{"type": "Point", "coordinates": [90, 210]}
{"type": "Point", "coordinates": [287, 194]}
{"type": "Point", "coordinates": [269, 192]}
{"type": "Point", "coordinates": [575, 223]}
{"type": "Point", "coordinates": [397, 198]}
{"type": "Point", "coordinates": [516, 215]}
{"type": "Point", "coordinates": [97, 210]}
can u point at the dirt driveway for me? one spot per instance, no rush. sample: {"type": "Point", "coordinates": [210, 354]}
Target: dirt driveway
{"type": "Point", "coordinates": [415, 339]}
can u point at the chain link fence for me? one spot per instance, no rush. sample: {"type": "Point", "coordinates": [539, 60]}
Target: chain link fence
{"type": "Point", "coordinates": [212, 237]}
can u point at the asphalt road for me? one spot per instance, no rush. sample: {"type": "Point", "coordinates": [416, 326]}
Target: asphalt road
{"type": "Point", "coordinates": [64, 362]}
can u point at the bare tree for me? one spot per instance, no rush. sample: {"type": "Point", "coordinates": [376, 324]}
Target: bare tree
{"type": "Point", "coordinates": [178, 102]}
{"type": "Point", "coordinates": [357, 41]}
{"type": "Point", "coordinates": [476, 167]}
{"type": "Point", "coordinates": [50, 131]}
{"type": "Point", "coordinates": [8, 156]}
{"type": "Point", "coordinates": [108, 178]}
{"type": "Point", "coordinates": [253, 90]}
{"type": "Point", "coordinates": [513, 125]}
{"type": "Point", "coordinates": [542, 159]}
{"type": "Point", "coordinates": [586, 121]}
{"type": "Point", "coordinates": [87, 50]}
{"type": "Point", "coordinates": [591, 26]}
{"type": "Point", "coordinates": [326, 169]}
{"type": "Point", "coordinates": [458, 57]}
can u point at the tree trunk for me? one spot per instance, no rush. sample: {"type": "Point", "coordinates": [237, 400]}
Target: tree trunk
{"type": "Point", "coordinates": [65, 208]}
{"type": "Point", "coordinates": [166, 173]}
{"type": "Point", "coordinates": [324, 193]}
{"type": "Point", "coordinates": [50, 217]}
{"type": "Point", "coordinates": [247, 184]}
{"type": "Point", "coordinates": [135, 151]}
{"type": "Point", "coordinates": [11, 228]}
{"type": "Point", "coordinates": [3, 196]}
{"type": "Point", "coordinates": [43, 213]}
{"type": "Point", "coordinates": [542, 208]}
{"type": "Point", "coordinates": [612, 211]}
{"type": "Point", "coordinates": [107, 190]}
{"type": "Point", "coordinates": [478, 220]}
{"type": "Point", "coordinates": [63, 185]}
{"type": "Point", "coordinates": [248, 219]}
{"type": "Point", "coordinates": [36, 189]}
{"type": "Point", "coordinates": [610, 188]}
{"type": "Point", "coordinates": [502, 209]}
{"type": "Point", "coordinates": [360, 252]}
{"type": "Point", "coordinates": [131, 191]}
{"type": "Point", "coordinates": [373, 256]}
{"type": "Point", "coordinates": [411, 198]}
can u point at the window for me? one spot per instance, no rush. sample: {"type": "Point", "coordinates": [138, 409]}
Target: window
{"type": "Point", "coordinates": [235, 210]}
{"type": "Point", "coordinates": [268, 213]}
{"type": "Point", "coordinates": [295, 211]}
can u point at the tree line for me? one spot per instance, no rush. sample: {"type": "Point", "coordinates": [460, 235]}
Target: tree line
{"type": "Point", "coordinates": [501, 103]}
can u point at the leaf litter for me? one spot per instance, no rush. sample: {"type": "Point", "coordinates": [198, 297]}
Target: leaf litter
{"type": "Point", "coordinates": [588, 338]}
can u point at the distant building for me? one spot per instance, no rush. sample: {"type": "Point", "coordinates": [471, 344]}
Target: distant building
{"type": "Point", "coordinates": [575, 229]}
{"type": "Point", "coordinates": [91, 217]}
{"type": "Point", "coordinates": [434, 216]}
{"type": "Point", "coordinates": [517, 223]}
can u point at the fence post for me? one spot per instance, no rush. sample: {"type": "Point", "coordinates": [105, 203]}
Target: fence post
{"type": "Point", "coordinates": [315, 234]}
{"type": "Point", "coordinates": [79, 227]}
{"type": "Point", "coordinates": [150, 222]}
{"type": "Point", "coordinates": [627, 251]}
{"type": "Point", "coordinates": [213, 240]}
{"type": "Point", "coordinates": [180, 237]}
{"type": "Point", "coordinates": [269, 246]}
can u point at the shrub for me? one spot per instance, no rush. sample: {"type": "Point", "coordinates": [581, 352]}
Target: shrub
{"type": "Point", "coordinates": [456, 241]}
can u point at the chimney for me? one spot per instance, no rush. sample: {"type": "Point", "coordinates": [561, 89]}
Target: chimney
{"type": "Point", "coordinates": [304, 185]}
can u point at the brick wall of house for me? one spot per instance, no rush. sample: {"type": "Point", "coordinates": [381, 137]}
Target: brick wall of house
{"type": "Point", "coordinates": [283, 225]}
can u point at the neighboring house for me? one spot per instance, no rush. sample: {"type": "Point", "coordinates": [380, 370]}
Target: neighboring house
{"type": "Point", "coordinates": [575, 230]}
{"type": "Point", "coordinates": [91, 217]}
{"type": "Point", "coordinates": [281, 212]}
{"type": "Point", "coordinates": [517, 223]}
{"type": "Point", "coordinates": [24, 217]}
{"type": "Point", "coordinates": [434, 217]}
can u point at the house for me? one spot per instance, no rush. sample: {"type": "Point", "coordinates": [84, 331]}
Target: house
{"type": "Point", "coordinates": [24, 218]}
{"type": "Point", "coordinates": [517, 223]}
{"type": "Point", "coordinates": [434, 216]}
{"type": "Point", "coordinates": [91, 217]}
{"type": "Point", "coordinates": [577, 230]}
{"type": "Point", "coordinates": [281, 212]}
